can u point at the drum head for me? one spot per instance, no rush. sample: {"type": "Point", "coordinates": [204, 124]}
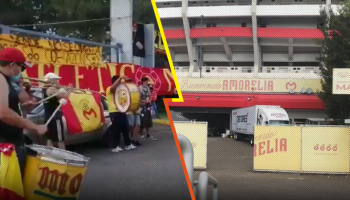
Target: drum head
{"type": "Point", "coordinates": [59, 156]}
{"type": "Point", "coordinates": [122, 97]}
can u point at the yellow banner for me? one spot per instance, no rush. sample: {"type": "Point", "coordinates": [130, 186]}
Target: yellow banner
{"type": "Point", "coordinates": [43, 51]}
{"type": "Point", "coordinates": [197, 133]}
{"type": "Point", "coordinates": [325, 149]}
{"type": "Point", "coordinates": [158, 42]}
{"type": "Point", "coordinates": [10, 176]}
{"type": "Point", "coordinates": [341, 81]}
{"type": "Point", "coordinates": [47, 180]}
{"type": "Point", "coordinates": [87, 111]}
{"type": "Point", "coordinates": [277, 148]}
{"type": "Point", "coordinates": [247, 85]}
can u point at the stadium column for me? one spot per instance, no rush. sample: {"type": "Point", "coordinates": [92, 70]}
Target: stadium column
{"type": "Point", "coordinates": [228, 50]}
{"type": "Point", "coordinates": [256, 46]}
{"type": "Point", "coordinates": [121, 28]}
{"type": "Point", "coordinates": [196, 55]}
{"type": "Point", "coordinates": [187, 30]}
{"type": "Point", "coordinates": [173, 55]}
{"type": "Point", "coordinates": [328, 7]}
{"type": "Point", "coordinates": [290, 51]}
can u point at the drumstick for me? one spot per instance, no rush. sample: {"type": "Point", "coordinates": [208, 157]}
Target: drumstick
{"type": "Point", "coordinates": [60, 91]}
{"type": "Point", "coordinates": [62, 102]}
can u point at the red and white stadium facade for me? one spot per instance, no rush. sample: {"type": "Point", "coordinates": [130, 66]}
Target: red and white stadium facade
{"type": "Point", "coordinates": [246, 39]}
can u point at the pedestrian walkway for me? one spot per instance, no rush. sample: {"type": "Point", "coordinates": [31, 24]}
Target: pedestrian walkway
{"type": "Point", "coordinates": [153, 171]}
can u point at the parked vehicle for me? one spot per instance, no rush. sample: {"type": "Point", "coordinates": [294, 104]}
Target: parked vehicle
{"type": "Point", "coordinates": [244, 120]}
{"type": "Point", "coordinates": [37, 116]}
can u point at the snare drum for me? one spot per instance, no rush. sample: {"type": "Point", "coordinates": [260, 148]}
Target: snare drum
{"type": "Point", "coordinates": [127, 97]}
{"type": "Point", "coordinates": [52, 173]}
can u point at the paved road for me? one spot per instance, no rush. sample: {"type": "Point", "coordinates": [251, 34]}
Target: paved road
{"type": "Point", "coordinates": [152, 172]}
{"type": "Point", "coordinates": [231, 162]}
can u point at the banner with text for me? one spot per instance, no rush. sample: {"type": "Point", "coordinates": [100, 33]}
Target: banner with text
{"type": "Point", "coordinates": [99, 78]}
{"type": "Point", "coordinates": [247, 85]}
{"type": "Point", "coordinates": [82, 65]}
{"type": "Point", "coordinates": [277, 148]}
{"type": "Point", "coordinates": [43, 51]}
{"type": "Point", "coordinates": [197, 133]}
{"type": "Point", "coordinates": [302, 149]}
{"type": "Point", "coordinates": [341, 81]}
{"type": "Point", "coordinates": [325, 149]}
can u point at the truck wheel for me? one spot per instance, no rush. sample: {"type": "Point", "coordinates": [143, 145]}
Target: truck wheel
{"type": "Point", "coordinates": [235, 136]}
{"type": "Point", "coordinates": [251, 140]}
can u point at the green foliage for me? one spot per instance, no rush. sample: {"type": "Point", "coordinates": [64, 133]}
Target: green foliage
{"type": "Point", "coordinates": [335, 54]}
{"type": "Point", "coordinates": [19, 12]}
{"type": "Point", "coordinates": [143, 12]}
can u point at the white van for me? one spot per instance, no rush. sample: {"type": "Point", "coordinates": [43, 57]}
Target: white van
{"type": "Point", "coordinates": [243, 120]}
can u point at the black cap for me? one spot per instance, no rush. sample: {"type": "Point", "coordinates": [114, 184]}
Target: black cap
{"type": "Point", "coordinates": [114, 78]}
{"type": "Point", "coordinates": [144, 79]}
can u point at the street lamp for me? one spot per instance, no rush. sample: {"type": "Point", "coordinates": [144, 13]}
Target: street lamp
{"type": "Point", "coordinates": [201, 50]}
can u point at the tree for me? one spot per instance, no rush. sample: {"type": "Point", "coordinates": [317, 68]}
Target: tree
{"type": "Point", "coordinates": [143, 12]}
{"type": "Point", "coordinates": [335, 54]}
{"type": "Point", "coordinates": [28, 12]}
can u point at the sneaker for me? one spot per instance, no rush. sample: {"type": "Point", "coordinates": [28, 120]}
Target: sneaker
{"type": "Point", "coordinates": [137, 144]}
{"type": "Point", "coordinates": [143, 137]}
{"type": "Point", "coordinates": [151, 137]}
{"type": "Point", "coordinates": [117, 150]}
{"type": "Point", "coordinates": [130, 147]}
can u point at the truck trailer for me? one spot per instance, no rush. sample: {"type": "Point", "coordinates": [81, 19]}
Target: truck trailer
{"type": "Point", "coordinates": [244, 120]}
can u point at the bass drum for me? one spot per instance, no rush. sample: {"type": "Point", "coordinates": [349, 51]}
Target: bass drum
{"type": "Point", "coordinates": [127, 97]}
{"type": "Point", "coordinates": [52, 173]}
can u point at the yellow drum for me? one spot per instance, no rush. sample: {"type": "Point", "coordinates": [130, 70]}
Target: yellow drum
{"type": "Point", "coordinates": [52, 173]}
{"type": "Point", "coordinates": [127, 97]}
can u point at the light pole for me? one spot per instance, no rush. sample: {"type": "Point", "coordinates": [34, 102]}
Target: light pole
{"type": "Point", "coordinates": [201, 50]}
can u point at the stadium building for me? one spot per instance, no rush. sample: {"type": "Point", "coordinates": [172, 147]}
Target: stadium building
{"type": "Point", "coordinates": [254, 52]}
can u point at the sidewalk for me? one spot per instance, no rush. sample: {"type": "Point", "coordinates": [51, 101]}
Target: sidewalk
{"type": "Point", "coordinates": [163, 119]}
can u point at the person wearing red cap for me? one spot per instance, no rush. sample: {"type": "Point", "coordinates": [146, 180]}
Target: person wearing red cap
{"type": "Point", "coordinates": [12, 63]}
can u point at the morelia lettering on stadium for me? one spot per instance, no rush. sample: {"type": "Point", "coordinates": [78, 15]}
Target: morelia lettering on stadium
{"type": "Point", "coordinates": [270, 146]}
{"type": "Point", "coordinates": [343, 87]}
{"type": "Point", "coordinates": [256, 85]}
{"type": "Point", "coordinates": [230, 85]}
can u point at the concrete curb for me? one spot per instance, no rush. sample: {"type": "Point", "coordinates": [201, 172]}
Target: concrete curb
{"type": "Point", "coordinates": [161, 121]}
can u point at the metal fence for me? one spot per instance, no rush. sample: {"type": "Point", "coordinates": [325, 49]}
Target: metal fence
{"type": "Point", "coordinates": [200, 187]}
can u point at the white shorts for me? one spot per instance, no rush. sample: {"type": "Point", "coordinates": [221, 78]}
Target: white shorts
{"type": "Point", "coordinates": [134, 120]}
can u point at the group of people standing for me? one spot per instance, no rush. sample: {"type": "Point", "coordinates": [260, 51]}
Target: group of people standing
{"type": "Point", "coordinates": [16, 98]}
{"type": "Point", "coordinates": [134, 125]}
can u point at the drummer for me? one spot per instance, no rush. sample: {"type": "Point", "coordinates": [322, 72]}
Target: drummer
{"type": "Point", "coordinates": [12, 63]}
{"type": "Point", "coordinates": [120, 124]}
{"type": "Point", "coordinates": [55, 134]}
{"type": "Point", "coordinates": [146, 117]}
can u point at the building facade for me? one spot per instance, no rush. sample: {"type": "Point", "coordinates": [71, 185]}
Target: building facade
{"type": "Point", "coordinates": [245, 44]}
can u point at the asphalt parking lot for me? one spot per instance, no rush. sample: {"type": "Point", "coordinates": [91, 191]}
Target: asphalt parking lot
{"type": "Point", "coordinates": [231, 163]}
{"type": "Point", "coordinates": [153, 171]}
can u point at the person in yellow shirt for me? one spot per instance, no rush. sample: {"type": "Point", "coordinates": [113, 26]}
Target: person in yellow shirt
{"type": "Point", "coordinates": [120, 124]}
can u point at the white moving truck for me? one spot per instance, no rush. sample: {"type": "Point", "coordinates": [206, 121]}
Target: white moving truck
{"type": "Point", "coordinates": [244, 119]}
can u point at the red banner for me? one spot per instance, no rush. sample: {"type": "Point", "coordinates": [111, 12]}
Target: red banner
{"type": "Point", "coordinates": [99, 78]}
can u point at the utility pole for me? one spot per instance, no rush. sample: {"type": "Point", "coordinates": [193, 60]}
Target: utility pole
{"type": "Point", "coordinates": [201, 50]}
